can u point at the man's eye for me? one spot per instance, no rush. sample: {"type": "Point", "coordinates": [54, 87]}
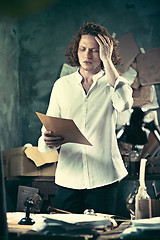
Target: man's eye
{"type": "Point", "coordinates": [82, 49]}
{"type": "Point", "coordinates": [95, 50]}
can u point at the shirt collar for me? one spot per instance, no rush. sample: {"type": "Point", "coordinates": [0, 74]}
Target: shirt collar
{"type": "Point", "coordinates": [95, 77]}
{"type": "Point", "coordinates": [98, 75]}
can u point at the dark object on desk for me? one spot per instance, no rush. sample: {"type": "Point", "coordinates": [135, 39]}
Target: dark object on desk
{"type": "Point", "coordinates": [133, 133]}
{"type": "Point", "coordinates": [24, 193]}
{"type": "Point", "coordinates": [27, 220]}
{"type": "Point", "coordinates": [3, 220]}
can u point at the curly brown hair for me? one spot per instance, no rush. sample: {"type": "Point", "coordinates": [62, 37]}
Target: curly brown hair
{"type": "Point", "coordinates": [89, 29]}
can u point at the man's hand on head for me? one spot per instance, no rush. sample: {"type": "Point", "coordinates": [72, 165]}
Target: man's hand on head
{"type": "Point", "coordinates": [105, 47]}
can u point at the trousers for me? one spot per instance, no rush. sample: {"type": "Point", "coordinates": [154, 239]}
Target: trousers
{"type": "Point", "coordinates": [101, 199]}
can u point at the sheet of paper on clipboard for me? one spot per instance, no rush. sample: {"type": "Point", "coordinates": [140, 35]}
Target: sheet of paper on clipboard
{"type": "Point", "coordinates": [65, 128]}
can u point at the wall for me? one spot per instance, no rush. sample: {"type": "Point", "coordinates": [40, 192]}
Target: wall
{"type": "Point", "coordinates": [10, 134]}
{"type": "Point", "coordinates": [42, 41]}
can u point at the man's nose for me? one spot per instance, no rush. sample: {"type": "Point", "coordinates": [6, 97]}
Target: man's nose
{"type": "Point", "coordinates": [88, 53]}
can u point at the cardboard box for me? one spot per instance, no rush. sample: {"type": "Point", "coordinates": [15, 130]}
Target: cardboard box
{"type": "Point", "coordinates": [16, 163]}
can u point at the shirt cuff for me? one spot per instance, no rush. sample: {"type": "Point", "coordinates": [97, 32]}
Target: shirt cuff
{"type": "Point", "coordinates": [121, 95]}
{"type": "Point", "coordinates": [42, 147]}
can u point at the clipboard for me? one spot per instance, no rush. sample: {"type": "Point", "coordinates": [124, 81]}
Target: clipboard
{"type": "Point", "coordinates": [66, 128]}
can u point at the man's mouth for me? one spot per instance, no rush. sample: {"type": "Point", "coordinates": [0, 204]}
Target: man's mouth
{"type": "Point", "coordinates": [87, 62]}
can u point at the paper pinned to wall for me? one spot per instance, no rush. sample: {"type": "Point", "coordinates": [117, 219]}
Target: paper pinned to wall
{"type": "Point", "coordinates": [148, 66]}
{"type": "Point", "coordinates": [128, 50]}
{"type": "Point", "coordinates": [65, 128]}
{"type": "Point", "coordinates": [141, 96]}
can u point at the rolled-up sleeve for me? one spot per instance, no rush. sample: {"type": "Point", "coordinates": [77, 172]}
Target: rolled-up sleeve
{"type": "Point", "coordinates": [121, 95]}
{"type": "Point", "coordinates": [42, 147]}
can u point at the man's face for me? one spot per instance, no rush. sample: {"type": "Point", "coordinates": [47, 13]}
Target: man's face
{"type": "Point", "coordinates": [88, 54]}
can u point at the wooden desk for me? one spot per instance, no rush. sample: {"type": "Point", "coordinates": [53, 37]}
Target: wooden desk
{"type": "Point", "coordinates": [22, 232]}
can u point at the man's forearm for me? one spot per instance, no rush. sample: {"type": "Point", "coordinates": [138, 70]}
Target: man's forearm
{"type": "Point", "coordinates": [111, 72]}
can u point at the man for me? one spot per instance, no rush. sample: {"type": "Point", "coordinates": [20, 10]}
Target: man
{"type": "Point", "coordinates": [88, 176]}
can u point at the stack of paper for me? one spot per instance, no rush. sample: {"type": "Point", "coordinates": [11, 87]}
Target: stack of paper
{"type": "Point", "coordinates": [71, 224]}
{"type": "Point", "coordinates": [143, 229]}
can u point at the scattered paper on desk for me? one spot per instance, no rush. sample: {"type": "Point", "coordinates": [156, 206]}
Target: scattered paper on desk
{"type": "Point", "coordinates": [149, 222]}
{"type": "Point", "coordinates": [60, 224]}
{"type": "Point", "coordinates": [143, 229]}
{"type": "Point", "coordinates": [71, 223]}
{"type": "Point", "coordinates": [40, 158]}
{"type": "Point", "coordinates": [79, 218]}
{"type": "Point", "coordinates": [65, 128]}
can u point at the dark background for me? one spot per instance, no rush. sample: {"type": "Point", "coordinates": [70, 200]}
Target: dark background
{"type": "Point", "coordinates": [33, 39]}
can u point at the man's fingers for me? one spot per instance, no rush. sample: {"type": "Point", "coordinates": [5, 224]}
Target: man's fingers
{"type": "Point", "coordinates": [53, 141]}
{"type": "Point", "coordinates": [105, 40]}
{"type": "Point", "coordinates": [98, 41]}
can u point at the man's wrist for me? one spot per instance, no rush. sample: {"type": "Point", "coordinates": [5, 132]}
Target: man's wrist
{"type": "Point", "coordinates": [111, 72]}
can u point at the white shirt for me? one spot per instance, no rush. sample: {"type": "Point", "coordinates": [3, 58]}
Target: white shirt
{"type": "Point", "coordinates": [82, 166]}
